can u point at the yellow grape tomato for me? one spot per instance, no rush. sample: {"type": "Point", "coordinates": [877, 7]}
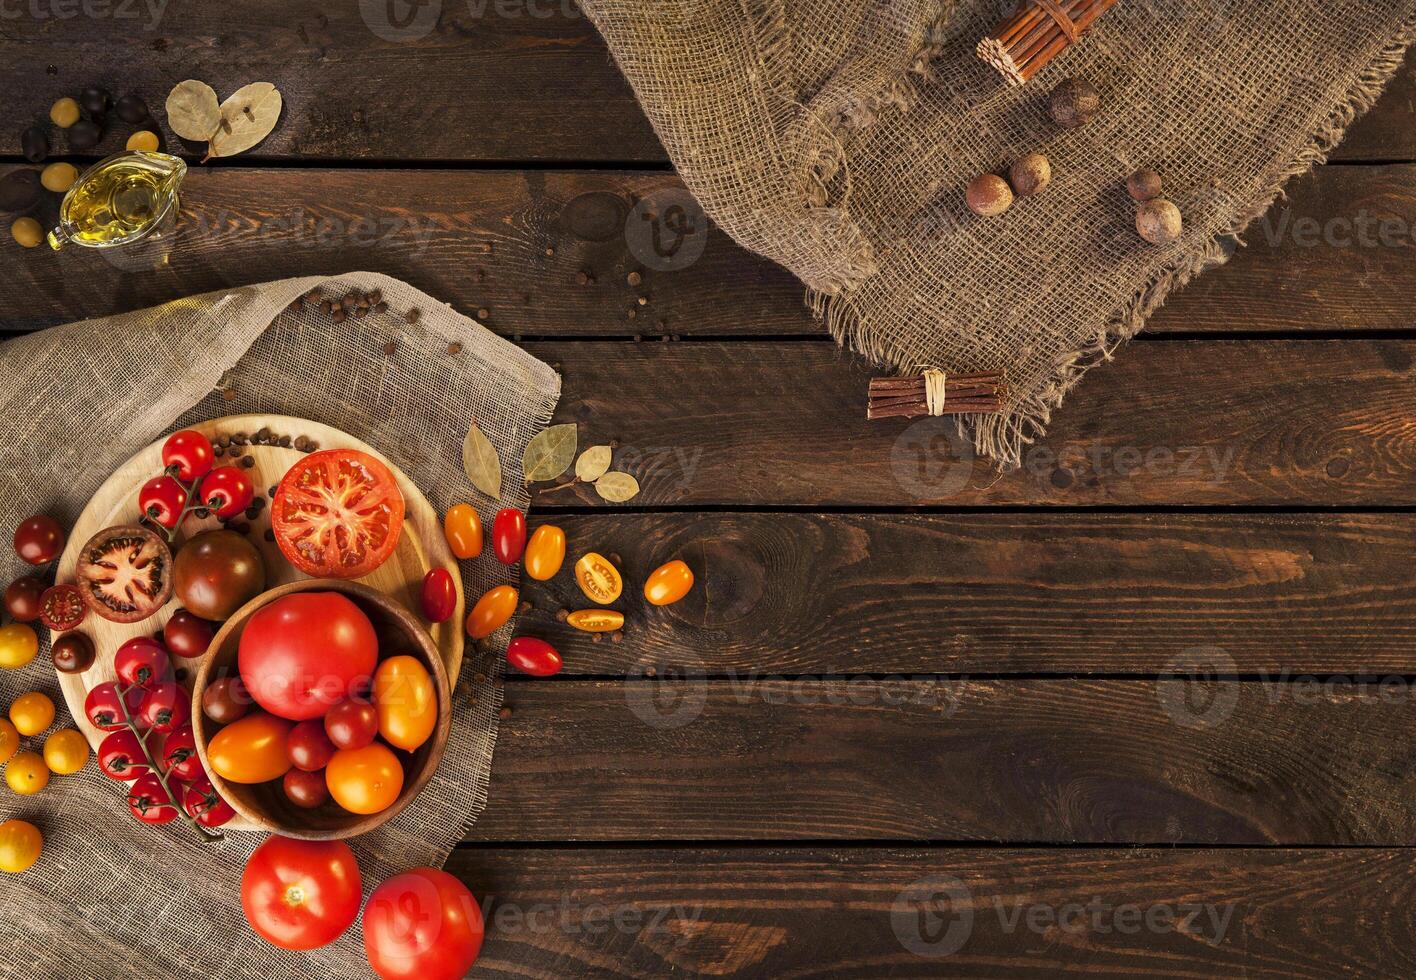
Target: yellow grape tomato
{"type": "Point", "coordinates": [545, 553]}
{"type": "Point", "coordinates": [668, 583]}
{"type": "Point", "coordinates": [407, 702]}
{"type": "Point", "coordinates": [598, 579]}
{"type": "Point", "coordinates": [463, 530]}
{"type": "Point", "coordinates": [491, 611]}
{"type": "Point", "coordinates": [596, 620]}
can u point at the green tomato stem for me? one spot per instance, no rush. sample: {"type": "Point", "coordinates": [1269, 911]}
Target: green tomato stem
{"type": "Point", "coordinates": [207, 836]}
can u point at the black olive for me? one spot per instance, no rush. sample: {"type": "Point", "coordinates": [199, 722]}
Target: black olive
{"type": "Point", "coordinates": [131, 109]}
{"type": "Point", "coordinates": [99, 119]}
{"type": "Point", "coordinates": [95, 101]}
{"type": "Point", "coordinates": [34, 144]}
{"type": "Point", "coordinates": [84, 135]}
{"type": "Point", "coordinates": [19, 189]}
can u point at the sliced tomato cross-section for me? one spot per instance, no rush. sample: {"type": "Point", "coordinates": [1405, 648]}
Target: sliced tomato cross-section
{"type": "Point", "coordinates": [337, 514]}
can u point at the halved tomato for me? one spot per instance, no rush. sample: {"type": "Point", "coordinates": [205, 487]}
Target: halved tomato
{"type": "Point", "coordinates": [337, 514]}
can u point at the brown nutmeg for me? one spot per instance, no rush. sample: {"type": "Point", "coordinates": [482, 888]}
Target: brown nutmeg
{"type": "Point", "coordinates": [988, 195]}
{"type": "Point", "coordinates": [1158, 221]}
{"type": "Point", "coordinates": [1031, 175]}
{"type": "Point", "coordinates": [1074, 103]}
{"type": "Point", "coordinates": [1143, 185]}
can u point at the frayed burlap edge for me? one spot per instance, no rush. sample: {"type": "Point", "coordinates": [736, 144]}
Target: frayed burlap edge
{"type": "Point", "coordinates": [1002, 436]}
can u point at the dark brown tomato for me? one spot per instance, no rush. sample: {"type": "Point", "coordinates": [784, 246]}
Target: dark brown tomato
{"type": "Point", "coordinates": [218, 572]}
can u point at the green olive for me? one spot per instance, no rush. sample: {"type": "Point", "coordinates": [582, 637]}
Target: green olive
{"type": "Point", "coordinates": [64, 113]}
{"type": "Point", "coordinates": [27, 232]}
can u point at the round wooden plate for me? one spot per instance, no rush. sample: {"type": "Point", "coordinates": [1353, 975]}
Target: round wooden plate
{"type": "Point", "coordinates": [421, 547]}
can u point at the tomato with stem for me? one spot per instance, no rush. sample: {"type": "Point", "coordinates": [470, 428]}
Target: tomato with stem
{"type": "Point", "coordinates": [121, 756]}
{"type": "Point", "coordinates": [142, 662]}
{"type": "Point", "coordinates": [188, 455]}
{"type": "Point", "coordinates": [162, 500]}
{"type": "Point", "coordinates": [149, 802]}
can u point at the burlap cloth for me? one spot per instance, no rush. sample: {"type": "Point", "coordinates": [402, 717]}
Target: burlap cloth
{"type": "Point", "coordinates": [111, 897]}
{"type": "Point", "coordinates": [836, 137]}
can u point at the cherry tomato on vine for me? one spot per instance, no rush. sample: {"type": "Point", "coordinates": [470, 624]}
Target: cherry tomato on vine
{"type": "Point", "coordinates": [161, 500]}
{"type": "Point", "coordinates": [120, 756]}
{"type": "Point", "coordinates": [533, 656]}
{"type": "Point", "coordinates": [165, 707]}
{"type": "Point", "coordinates": [463, 530]}
{"type": "Point", "coordinates": [352, 724]}
{"type": "Point", "coordinates": [439, 598]}
{"type": "Point", "coordinates": [149, 802]}
{"type": "Point", "coordinates": [205, 805]}
{"type": "Point", "coordinates": [308, 746]}
{"type": "Point", "coordinates": [104, 708]}
{"type": "Point", "coordinates": [188, 455]}
{"type": "Point", "coordinates": [227, 491]}
{"type": "Point", "coordinates": [491, 611]}
{"type": "Point", "coordinates": [668, 583]}
{"type": "Point", "coordinates": [509, 535]}
{"type": "Point", "coordinates": [142, 662]}
{"type": "Point", "coordinates": [545, 552]}
{"type": "Point", "coordinates": [187, 634]}
{"type": "Point", "coordinates": [179, 754]}
{"type": "Point", "coordinates": [39, 539]}
{"type": "Point", "coordinates": [62, 607]}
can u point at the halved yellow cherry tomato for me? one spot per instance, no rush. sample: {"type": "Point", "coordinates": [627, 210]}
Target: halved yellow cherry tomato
{"type": "Point", "coordinates": [491, 611]}
{"type": "Point", "coordinates": [406, 701]}
{"type": "Point", "coordinates": [20, 844]}
{"type": "Point", "coordinates": [32, 713]}
{"type": "Point", "coordinates": [9, 740]}
{"type": "Point", "coordinates": [66, 752]}
{"type": "Point", "coordinates": [545, 553]}
{"type": "Point", "coordinates": [596, 620]}
{"type": "Point", "coordinates": [599, 580]}
{"type": "Point", "coordinates": [26, 774]}
{"type": "Point", "coordinates": [463, 530]}
{"type": "Point", "coordinates": [668, 583]}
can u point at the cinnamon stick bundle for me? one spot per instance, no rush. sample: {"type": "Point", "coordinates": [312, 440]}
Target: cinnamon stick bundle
{"type": "Point", "coordinates": [1024, 43]}
{"type": "Point", "coordinates": [936, 393]}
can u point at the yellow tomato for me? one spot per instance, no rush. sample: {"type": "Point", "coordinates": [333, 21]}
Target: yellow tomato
{"type": "Point", "coordinates": [463, 530]}
{"type": "Point", "coordinates": [668, 583]}
{"type": "Point", "coordinates": [9, 740]}
{"type": "Point", "coordinates": [545, 553]}
{"type": "Point", "coordinates": [66, 752]}
{"type": "Point", "coordinates": [20, 844]}
{"type": "Point", "coordinates": [491, 611]}
{"type": "Point", "coordinates": [596, 620]}
{"type": "Point", "coordinates": [598, 579]}
{"type": "Point", "coordinates": [407, 702]}
{"type": "Point", "coordinates": [26, 774]}
{"type": "Point", "coordinates": [366, 780]}
{"type": "Point", "coordinates": [18, 645]}
{"type": "Point", "coordinates": [251, 750]}
{"type": "Point", "coordinates": [32, 713]}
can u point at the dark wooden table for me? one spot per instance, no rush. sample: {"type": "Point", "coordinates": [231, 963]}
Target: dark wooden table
{"type": "Point", "coordinates": [915, 720]}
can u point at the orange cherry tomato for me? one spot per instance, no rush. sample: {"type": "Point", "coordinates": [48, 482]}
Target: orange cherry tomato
{"type": "Point", "coordinates": [407, 702]}
{"type": "Point", "coordinates": [545, 553]}
{"type": "Point", "coordinates": [596, 620]}
{"type": "Point", "coordinates": [668, 583]}
{"type": "Point", "coordinates": [599, 580]}
{"type": "Point", "coordinates": [251, 750]}
{"type": "Point", "coordinates": [9, 740]}
{"type": "Point", "coordinates": [491, 611]}
{"type": "Point", "coordinates": [366, 780]}
{"type": "Point", "coordinates": [463, 530]}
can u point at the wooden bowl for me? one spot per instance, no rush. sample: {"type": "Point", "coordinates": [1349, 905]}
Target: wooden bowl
{"type": "Point", "coordinates": [264, 804]}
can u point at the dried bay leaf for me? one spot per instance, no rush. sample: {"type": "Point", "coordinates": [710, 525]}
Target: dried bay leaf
{"type": "Point", "coordinates": [247, 117]}
{"type": "Point", "coordinates": [592, 464]}
{"type": "Point", "coordinates": [479, 460]}
{"type": "Point", "coordinates": [549, 453]}
{"type": "Point", "coordinates": [193, 112]}
{"type": "Point", "coordinates": [617, 487]}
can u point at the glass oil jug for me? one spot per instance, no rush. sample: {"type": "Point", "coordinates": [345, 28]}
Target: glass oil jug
{"type": "Point", "coordinates": [126, 198]}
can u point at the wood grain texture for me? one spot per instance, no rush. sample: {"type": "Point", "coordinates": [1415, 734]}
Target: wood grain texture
{"type": "Point", "coordinates": [1274, 423]}
{"type": "Point", "coordinates": [485, 80]}
{"type": "Point", "coordinates": [1322, 259]}
{"type": "Point", "coordinates": [1177, 761]}
{"type": "Point", "coordinates": [842, 912]}
{"type": "Point", "coordinates": [995, 593]}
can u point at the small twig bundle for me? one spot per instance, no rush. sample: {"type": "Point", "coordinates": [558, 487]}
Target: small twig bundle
{"type": "Point", "coordinates": [936, 393]}
{"type": "Point", "coordinates": [1025, 42]}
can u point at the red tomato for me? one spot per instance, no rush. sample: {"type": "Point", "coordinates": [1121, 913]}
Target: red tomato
{"type": "Point", "coordinates": [161, 500]}
{"type": "Point", "coordinates": [204, 805]}
{"type": "Point", "coordinates": [308, 746]}
{"type": "Point", "coordinates": [439, 599]}
{"type": "Point", "coordinates": [38, 540]}
{"type": "Point", "coordinates": [422, 925]}
{"type": "Point", "coordinates": [352, 724]}
{"type": "Point", "coordinates": [142, 662]}
{"type": "Point", "coordinates": [165, 706]}
{"type": "Point", "coordinates": [227, 491]}
{"type": "Point", "coordinates": [187, 455]}
{"type": "Point", "coordinates": [532, 656]}
{"type": "Point", "coordinates": [62, 607]}
{"type": "Point", "coordinates": [179, 754]}
{"type": "Point", "coordinates": [300, 894]}
{"type": "Point", "coordinates": [337, 514]}
{"type": "Point", "coordinates": [104, 709]}
{"type": "Point", "coordinates": [304, 653]}
{"type": "Point", "coordinates": [120, 756]}
{"type": "Point", "coordinates": [149, 802]}
{"type": "Point", "coordinates": [306, 789]}
{"type": "Point", "coordinates": [187, 635]}
{"type": "Point", "coordinates": [509, 535]}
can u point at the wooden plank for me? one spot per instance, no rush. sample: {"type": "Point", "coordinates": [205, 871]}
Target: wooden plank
{"type": "Point", "coordinates": [1274, 423]}
{"type": "Point", "coordinates": [1006, 913]}
{"type": "Point", "coordinates": [488, 80]}
{"type": "Point", "coordinates": [1321, 260]}
{"type": "Point", "coordinates": [996, 593]}
{"type": "Point", "coordinates": [1070, 761]}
